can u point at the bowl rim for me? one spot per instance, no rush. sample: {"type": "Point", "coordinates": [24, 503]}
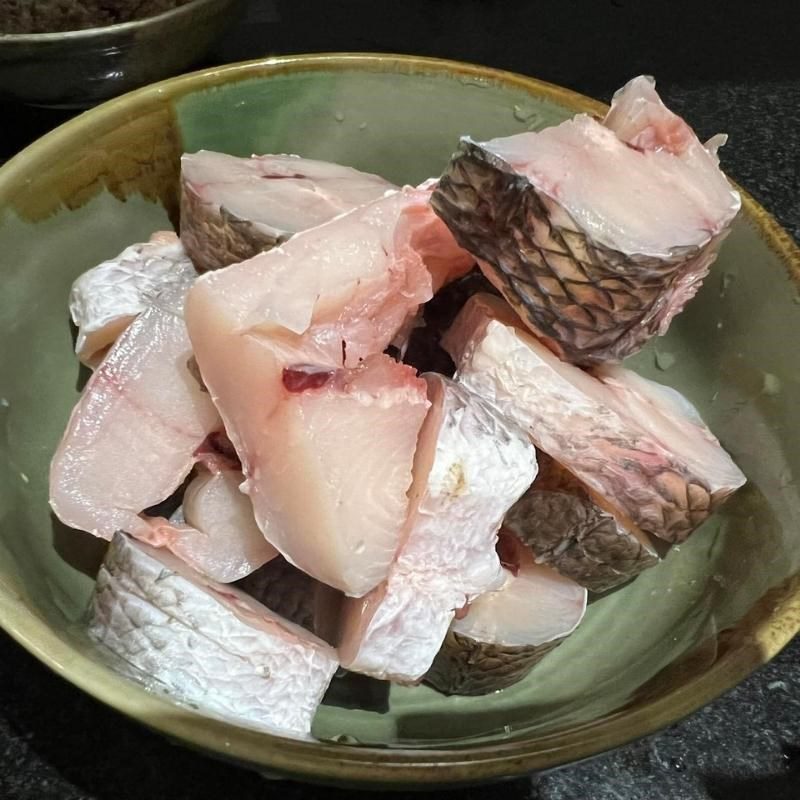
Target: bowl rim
{"type": "Point", "coordinates": [769, 625]}
{"type": "Point", "coordinates": [103, 30]}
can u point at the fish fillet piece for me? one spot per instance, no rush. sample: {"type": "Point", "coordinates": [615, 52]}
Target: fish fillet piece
{"type": "Point", "coordinates": [331, 295]}
{"type": "Point", "coordinates": [598, 233]}
{"type": "Point", "coordinates": [132, 437]}
{"type": "Point", "coordinates": [266, 329]}
{"type": "Point", "coordinates": [505, 633]}
{"type": "Point", "coordinates": [209, 644]}
{"type": "Point", "coordinates": [216, 531]}
{"type": "Point", "coordinates": [329, 488]}
{"type": "Point", "coordinates": [571, 530]}
{"type": "Point", "coordinates": [104, 300]}
{"type": "Point", "coordinates": [471, 465]}
{"type": "Point", "coordinates": [232, 208]}
{"type": "Point", "coordinates": [639, 446]}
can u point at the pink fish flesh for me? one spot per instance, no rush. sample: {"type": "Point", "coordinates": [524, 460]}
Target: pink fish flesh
{"type": "Point", "coordinates": [132, 437]}
{"type": "Point", "coordinates": [597, 233]}
{"type": "Point", "coordinates": [471, 465]}
{"type": "Point", "coordinates": [505, 633]}
{"type": "Point", "coordinates": [265, 334]}
{"type": "Point", "coordinates": [232, 208]}
{"type": "Point", "coordinates": [330, 481]}
{"type": "Point", "coordinates": [215, 531]}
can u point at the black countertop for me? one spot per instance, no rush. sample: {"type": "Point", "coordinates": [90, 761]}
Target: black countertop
{"type": "Point", "coordinates": [718, 64]}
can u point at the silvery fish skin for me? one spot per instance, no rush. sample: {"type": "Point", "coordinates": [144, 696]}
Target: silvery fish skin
{"type": "Point", "coordinates": [104, 300]}
{"type": "Point", "coordinates": [210, 644]}
{"type": "Point", "coordinates": [505, 633]}
{"type": "Point", "coordinates": [233, 208]}
{"type": "Point", "coordinates": [569, 530]}
{"type": "Point", "coordinates": [597, 234]}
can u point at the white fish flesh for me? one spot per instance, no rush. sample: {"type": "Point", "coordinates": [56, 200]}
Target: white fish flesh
{"type": "Point", "coordinates": [471, 465]}
{"type": "Point", "coordinates": [330, 481]}
{"type": "Point", "coordinates": [131, 439]}
{"type": "Point", "coordinates": [505, 633]}
{"type": "Point", "coordinates": [105, 299]}
{"type": "Point", "coordinates": [232, 208]}
{"type": "Point", "coordinates": [640, 446]}
{"type": "Point", "coordinates": [597, 233]}
{"type": "Point", "coordinates": [209, 644]}
{"type": "Point", "coordinates": [283, 342]}
{"type": "Point", "coordinates": [216, 531]}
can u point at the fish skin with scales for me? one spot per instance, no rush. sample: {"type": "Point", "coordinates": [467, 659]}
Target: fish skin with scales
{"type": "Point", "coordinates": [597, 232]}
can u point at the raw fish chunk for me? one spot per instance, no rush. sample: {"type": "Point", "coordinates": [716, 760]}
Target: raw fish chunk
{"type": "Point", "coordinates": [470, 467]}
{"type": "Point", "coordinates": [233, 208]}
{"type": "Point", "coordinates": [505, 633]}
{"type": "Point", "coordinates": [132, 437]}
{"type": "Point", "coordinates": [597, 233]}
{"type": "Point", "coordinates": [639, 446]}
{"type": "Point", "coordinates": [568, 528]}
{"type": "Point", "coordinates": [283, 343]}
{"type": "Point", "coordinates": [330, 488]}
{"type": "Point", "coordinates": [209, 644]}
{"type": "Point", "coordinates": [105, 299]}
{"type": "Point", "coordinates": [215, 531]}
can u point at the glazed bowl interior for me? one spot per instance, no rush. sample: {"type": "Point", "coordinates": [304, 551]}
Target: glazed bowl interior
{"type": "Point", "coordinates": [719, 605]}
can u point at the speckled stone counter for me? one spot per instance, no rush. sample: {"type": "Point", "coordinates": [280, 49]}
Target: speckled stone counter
{"type": "Point", "coordinates": [715, 63]}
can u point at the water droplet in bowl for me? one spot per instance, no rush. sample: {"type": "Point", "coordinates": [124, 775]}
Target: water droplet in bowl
{"type": "Point", "coordinates": [725, 283]}
{"type": "Point", "coordinates": [771, 385]}
{"type": "Point", "coordinates": [664, 360]}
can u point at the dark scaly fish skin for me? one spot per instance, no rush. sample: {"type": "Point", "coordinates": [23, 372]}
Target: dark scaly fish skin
{"type": "Point", "coordinates": [294, 595]}
{"type": "Point", "coordinates": [569, 532]}
{"type": "Point", "coordinates": [424, 352]}
{"type": "Point", "coordinates": [465, 666]}
{"type": "Point", "coordinates": [590, 303]}
{"type": "Point", "coordinates": [216, 238]}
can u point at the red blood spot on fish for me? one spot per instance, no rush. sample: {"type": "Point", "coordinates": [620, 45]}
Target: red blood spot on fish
{"type": "Point", "coordinates": [463, 611]}
{"type": "Point", "coordinates": [508, 551]}
{"type": "Point", "coordinates": [274, 177]}
{"type": "Point", "coordinates": [302, 378]}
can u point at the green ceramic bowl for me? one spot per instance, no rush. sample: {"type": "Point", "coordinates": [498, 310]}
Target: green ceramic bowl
{"type": "Point", "coordinates": [719, 606]}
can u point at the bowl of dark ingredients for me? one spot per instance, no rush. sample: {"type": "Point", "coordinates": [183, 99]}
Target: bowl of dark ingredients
{"type": "Point", "coordinates": [76, 53]}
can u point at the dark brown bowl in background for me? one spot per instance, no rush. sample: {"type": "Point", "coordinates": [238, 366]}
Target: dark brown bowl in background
{"type": "Point", "coordinates": [77, 69]}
